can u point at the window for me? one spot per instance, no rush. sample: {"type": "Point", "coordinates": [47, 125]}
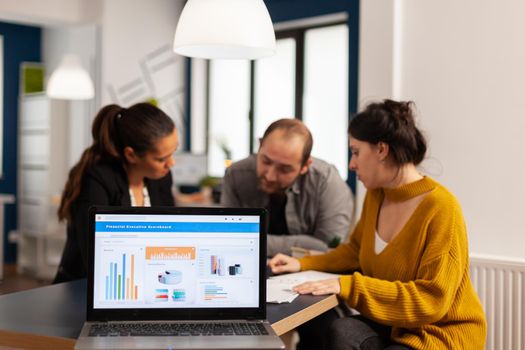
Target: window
{"type": "Point", "coordinates": [325, 97]}
{"type": "Point", "coordinates": [228, 113]}
{"type": "Point", "coordinates": [274, 88]}
{"type": "Point", "coordinates": [306, 79]}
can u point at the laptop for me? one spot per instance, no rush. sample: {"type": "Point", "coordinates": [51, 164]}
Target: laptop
{"type": "Point", "coordinates": [177, 278]}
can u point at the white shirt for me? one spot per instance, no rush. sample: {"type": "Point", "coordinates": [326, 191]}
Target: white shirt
{"type": "Point", "coordinates": [380, 244]}
{"type": "Point", "coordinates": [147, 201]}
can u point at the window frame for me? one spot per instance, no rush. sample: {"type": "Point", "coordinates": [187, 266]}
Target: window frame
{"type": "Point", "coordinates": [298, 34]}
{"type": "Point", "coordinates": [289, 21]}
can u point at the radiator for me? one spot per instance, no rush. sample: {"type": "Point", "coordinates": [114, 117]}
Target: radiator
{"type": "Point", "coordinates": [500, 284]}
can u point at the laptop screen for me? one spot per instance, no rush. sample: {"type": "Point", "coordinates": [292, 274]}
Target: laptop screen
{"type": "Point", "coordinates": [176, 259]}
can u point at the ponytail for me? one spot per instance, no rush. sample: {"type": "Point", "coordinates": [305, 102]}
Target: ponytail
{"type": "Point", "coordinates": [114, 128]}
{"type": "Point", "coordinates": [104, 136]}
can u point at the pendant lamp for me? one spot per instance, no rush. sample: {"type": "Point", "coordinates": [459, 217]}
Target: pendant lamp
{"type": "Point", "coordinates": [225, 29]}
{"type": "Point", "coordinates": [70, 81]}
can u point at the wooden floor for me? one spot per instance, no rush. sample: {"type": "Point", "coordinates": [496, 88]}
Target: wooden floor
{"type": "Point", "coordinates": [14, 282]}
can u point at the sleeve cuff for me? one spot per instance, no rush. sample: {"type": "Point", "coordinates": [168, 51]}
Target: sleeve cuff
{"type": "Point", "coordinates": [306, 263]}
{"type": "Point", "coordinates": [346, 283]}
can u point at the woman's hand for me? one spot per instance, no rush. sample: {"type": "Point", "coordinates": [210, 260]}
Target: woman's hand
{"type": "Point", "coordinates": [283, 263]}
{"type": "Point", "coordinates": [330, 286]}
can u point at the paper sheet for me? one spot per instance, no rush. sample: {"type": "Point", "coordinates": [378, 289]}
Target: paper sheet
{"type": "Point", "coordinates": [279, 288]}
{"type": "Point", "coordinates": [278, 292]}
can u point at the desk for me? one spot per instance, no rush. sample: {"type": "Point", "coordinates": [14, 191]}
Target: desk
{"type": "Point", "coordinates": [51, 317]}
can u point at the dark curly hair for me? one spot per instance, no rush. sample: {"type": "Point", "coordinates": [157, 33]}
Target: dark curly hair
{"type": "Point", "coordinates": [393, 123]}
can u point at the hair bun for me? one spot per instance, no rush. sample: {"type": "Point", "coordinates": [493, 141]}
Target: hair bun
{"type": "Point", "coordinates": [391, 122]}
{"type": "Point", "coordinates": [401, 112]}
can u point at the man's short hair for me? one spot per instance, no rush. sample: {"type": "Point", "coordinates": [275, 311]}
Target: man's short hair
{"type": "Point", "coordinates": [292, 127]}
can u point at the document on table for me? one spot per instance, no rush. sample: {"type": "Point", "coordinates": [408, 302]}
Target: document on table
{"type": "Point", "coordinates": [279, 288]}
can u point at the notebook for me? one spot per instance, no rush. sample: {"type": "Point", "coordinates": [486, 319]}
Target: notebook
{"type": "Point", "coordinates": [177, 278]}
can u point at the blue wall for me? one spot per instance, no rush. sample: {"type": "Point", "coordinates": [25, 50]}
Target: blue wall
{"type": "Point", "coordinates": [286, 10]}
{"type": "Point", "coordinates": [21, 44]}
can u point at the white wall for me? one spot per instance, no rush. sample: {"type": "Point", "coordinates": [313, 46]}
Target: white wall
{"type": "Point", "coordinates": [119, 42]}
{"type": "Point", "coordinates": [463, 63]}
{"type": "Point", "coordinates": [49, 12]}
{"type": "Point", "coordinates": [376, 65]}
{"type": "Point", "coordinates": [115, 48]}
{"type": "Point", "coordinates": [138, 61]}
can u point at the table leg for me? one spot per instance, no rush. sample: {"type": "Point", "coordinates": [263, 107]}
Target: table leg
{"type": "Point", "coordinates": [290, 339]}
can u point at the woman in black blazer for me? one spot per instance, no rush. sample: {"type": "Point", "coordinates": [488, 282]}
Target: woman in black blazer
{"type": "Point", "coordinates": [128, 164]}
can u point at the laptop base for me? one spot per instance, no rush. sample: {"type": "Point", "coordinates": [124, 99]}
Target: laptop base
{"type": "Point", "coordinates": [270, 341]}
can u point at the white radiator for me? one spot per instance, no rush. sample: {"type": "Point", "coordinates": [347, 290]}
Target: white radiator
{"type": "Point", "coordinates": [500, 284]}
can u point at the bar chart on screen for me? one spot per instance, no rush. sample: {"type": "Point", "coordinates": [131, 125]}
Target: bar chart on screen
{"type": "Point", "coordinates": [170, 253]}
{"type": "Point", "coordinates": [122, 274]}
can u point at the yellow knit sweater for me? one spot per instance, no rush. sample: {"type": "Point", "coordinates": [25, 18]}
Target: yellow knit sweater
{"type": "Point", "coordinates": [419, 284]}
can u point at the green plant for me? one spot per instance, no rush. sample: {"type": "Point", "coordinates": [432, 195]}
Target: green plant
{"type": "Point", "coordinates": [153, 101]}
{"type": "Point", "coordinates": [209, 181]}
{"type": "Point", "coordinates": [32, 79]}
{"type": "Point", "coordinates": [223, 144]}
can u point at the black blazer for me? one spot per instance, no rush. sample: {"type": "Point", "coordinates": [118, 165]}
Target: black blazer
{"type": "Point", "coordinates": [103, 184]}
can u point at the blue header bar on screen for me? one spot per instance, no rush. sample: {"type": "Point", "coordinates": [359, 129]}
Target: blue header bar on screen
{"type": "Point", "coordinates": [123, 226]}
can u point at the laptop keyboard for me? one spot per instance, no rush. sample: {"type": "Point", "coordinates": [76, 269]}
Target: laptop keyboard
{"type": "Point", "coordinates": [176, 329]}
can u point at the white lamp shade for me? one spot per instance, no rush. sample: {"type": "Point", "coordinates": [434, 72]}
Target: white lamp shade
{"type": "Point", "coordinates": [70, 81]}
{"type": "Point", "coordinates": [227, 29]}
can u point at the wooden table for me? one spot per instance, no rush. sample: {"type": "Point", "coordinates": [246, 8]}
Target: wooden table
{"type": "Point", "coordinates": [51, 317]}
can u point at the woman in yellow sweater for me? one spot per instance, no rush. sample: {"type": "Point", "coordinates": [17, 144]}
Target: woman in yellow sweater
{"type": "Point", "coordinates": [409, 250]}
